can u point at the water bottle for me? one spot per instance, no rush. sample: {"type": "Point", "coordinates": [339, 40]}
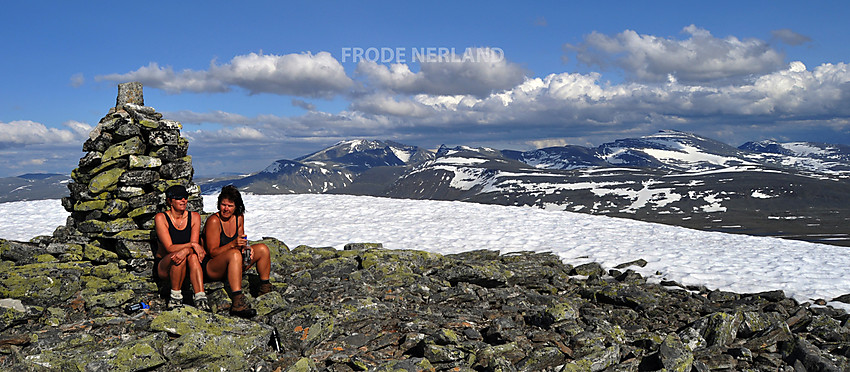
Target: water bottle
{"type": "Point", "coordinates": [136, 307]}
{"type": "Point", "coordinates": [246, 252]}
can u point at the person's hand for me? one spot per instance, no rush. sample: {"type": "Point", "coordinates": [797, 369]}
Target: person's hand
{"type": "Point", "coordinates": [179, 256]}
{"type": "Point", "coordinates": [199, 251]}
{"type": "Point", "coordinates": [241, 242]}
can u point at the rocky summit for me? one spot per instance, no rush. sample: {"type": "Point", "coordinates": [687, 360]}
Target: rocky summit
{"type": "Point", "coordinates": [366, 308]}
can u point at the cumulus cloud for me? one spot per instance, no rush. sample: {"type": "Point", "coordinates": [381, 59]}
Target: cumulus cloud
{"type": "Point", "coordinates": [568, 107]}
{"type": "Point", "coordinates": [81, 129]}
{"type": "Point", "coordinates": [478, 71]}
{"type": "Point", "coordinates": [790, 37]}
{"type": "Point", "coordinates": [700, 58]}
{"type": "Point", "coordinates": [304, 74]}
{"type": "Point", "coordinates": [27, 132]}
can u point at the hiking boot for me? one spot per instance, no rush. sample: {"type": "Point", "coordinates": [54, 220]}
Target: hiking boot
{"type": "Point", "coordinates": [240, 307]}
{"type": "Point", "coordinates": [175, 303]}
{"type": "Point", "coordinates": [202, 304]}
{"type": "Point", "coordinates": [264, 288]}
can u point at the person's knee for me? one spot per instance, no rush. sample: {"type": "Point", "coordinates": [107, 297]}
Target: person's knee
{"type": "Point", "coordinates": [261, 250]}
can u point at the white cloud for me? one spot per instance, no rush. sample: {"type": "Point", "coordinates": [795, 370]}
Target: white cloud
{"type": "Point", "coordinates": [81, 129]}
{"type": "Point", "coordinates": [478, 71]}
{"type": "Point", "coordinates": [27, 132]}
{"type": "Point", "coordinates": [700, 58]}
{"type": "Point", "coordinates": [304, 74]}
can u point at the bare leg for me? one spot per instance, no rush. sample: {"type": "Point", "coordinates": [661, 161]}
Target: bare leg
{"type": "Point", "coordinates": [262, 258]}
{"type": "Point", "coordinates": [227, 265]}
{"type": "Point", "coordinates": [175, 273]}
{"type": "Point", "coordinates": [196, 275]}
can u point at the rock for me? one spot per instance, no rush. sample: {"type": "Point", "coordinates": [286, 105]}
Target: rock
{"type": "Point", "coordinates": [130, 93]}
{"type": "Point", "coordinates": [142, 161]}
{"type": "Point", "coordinates": [105, 181]}
{"type": "Point", "coordinates": [132, 146]}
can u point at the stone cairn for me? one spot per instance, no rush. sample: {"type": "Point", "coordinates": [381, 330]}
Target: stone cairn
{"type": "Point", "coordinates": [132, 156]}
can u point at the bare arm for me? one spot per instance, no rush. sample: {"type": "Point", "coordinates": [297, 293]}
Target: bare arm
{"type": "Point", "coordinates": [194, 240]}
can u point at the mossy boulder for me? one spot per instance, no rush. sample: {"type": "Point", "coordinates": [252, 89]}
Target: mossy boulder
{"type": "Point", "coordinates": [42, 284]}
{"type": "Point", "coordinates": [206, 337]}
{"type": "Point", "coordinates": [105, 181]}
{"type": "Point", "coordinates": [132, 146]}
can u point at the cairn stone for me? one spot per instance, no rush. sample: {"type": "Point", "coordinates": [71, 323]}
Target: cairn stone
{"type": "Point", "coordinates": [132, 156]}
{"type": "Point", "coordinates": [130, 93]}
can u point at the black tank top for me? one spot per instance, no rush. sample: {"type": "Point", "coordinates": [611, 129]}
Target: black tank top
{"type": "Point", "coordinates": [180, 236]}
{"type": "Point", "coordinates": [223, 238]}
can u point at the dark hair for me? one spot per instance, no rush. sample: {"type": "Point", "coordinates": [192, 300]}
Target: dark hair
{"type": "Point", "coordinates": [231, 193]}
{"type": "Point", "coordinates": [176, 192]}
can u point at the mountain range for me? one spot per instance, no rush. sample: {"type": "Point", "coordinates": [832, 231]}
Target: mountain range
{"type": "Point", "coordinates": [786, 189]}
{"type": "Point", "coordinates": [793, 189]}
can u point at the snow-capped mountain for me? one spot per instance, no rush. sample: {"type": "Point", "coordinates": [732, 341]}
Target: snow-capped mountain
{"type": "Point", "coordinates": [808, 156]}
{"type": "Point", "coordinates": [560, 157]}
{"type": "Point", "coordinates": [33, 186]}
{"type": "Point", "coordinates": [332, 169]}
{"type": "Point", "coordinates": [672, 150]}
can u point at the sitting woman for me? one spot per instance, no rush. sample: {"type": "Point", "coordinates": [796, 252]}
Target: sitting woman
{"type": "Point", "coordinates": [178, 251]}
{"type": "Point", "coordinates": [225, 240]}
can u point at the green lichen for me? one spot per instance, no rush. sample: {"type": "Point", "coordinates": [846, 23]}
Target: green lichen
{"type": "Point", "coordinates": [90, 205]}
{"type": "Point", "coordinates": [132, 146]}
{"type": "Point", "coordinates": [94, 253]}
{"type": "Point", "coordinates": [115, 207]}
{"type": "Point", "coordinates": [45, 258]}
{"type": "Point", "coordinates": [141, 211]}
{"type": "Point", "coordinates": [104, 166]}
{"type": "Point", "coordinates": [149, 124]}
{"type": "Point", "coordinates": [307, 365]}
{"type": "Point", "coordinates": [105, 181]}
{"type": "Point", "coordinates": [139, 235]}
{"type": "Point", "coordinates": [120, 224]}
{"type": "Point", "coordinates": [109, 299]}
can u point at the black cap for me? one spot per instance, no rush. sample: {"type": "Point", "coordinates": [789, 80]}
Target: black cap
{"type": "Point", "coordinates": [176, 192]}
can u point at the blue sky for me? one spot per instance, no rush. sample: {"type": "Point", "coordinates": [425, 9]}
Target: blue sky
{"type": "Point", "coordinates": [261, 81]}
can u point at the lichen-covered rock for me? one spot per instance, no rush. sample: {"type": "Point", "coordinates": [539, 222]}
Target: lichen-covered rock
{"type": "Point", "coordinates": [142, 161]}
{"type": "Point", "coordinates": [139, 177]}
{"type": "Point", "coordinates": [181, 168]}
{"type": "Point", "coordinates": [41, 284]}
{"type": "Point", "coordinates": [105, 181]}
{"type": "Point", "coordinates": [132, 146]}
